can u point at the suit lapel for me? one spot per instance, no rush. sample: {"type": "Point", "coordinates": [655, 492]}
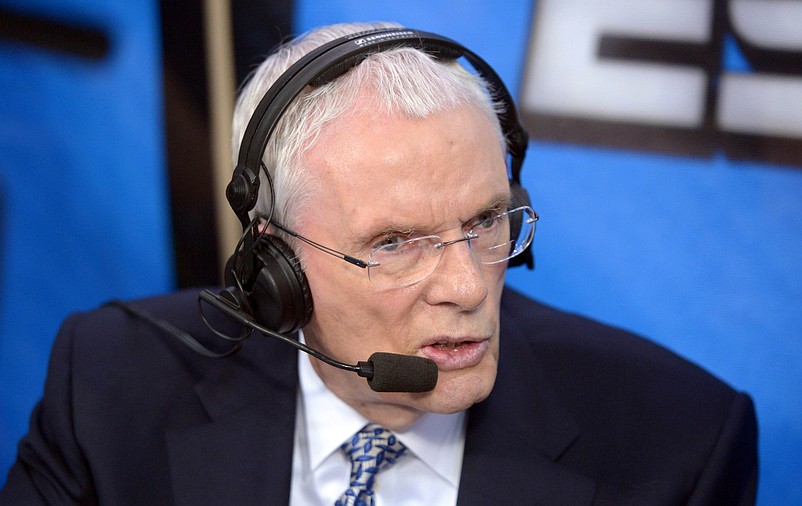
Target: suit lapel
{"type": "Point", "coordinates": [515, 437]}
{"type": "Point", "coordinates": [243, 455]}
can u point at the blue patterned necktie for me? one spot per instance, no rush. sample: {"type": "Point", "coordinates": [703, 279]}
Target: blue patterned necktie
{"type": "Point", "coordinates": [371, 450]}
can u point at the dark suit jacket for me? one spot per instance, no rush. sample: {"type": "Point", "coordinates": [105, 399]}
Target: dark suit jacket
{"type": "Point", "coordinates": [581, 414]}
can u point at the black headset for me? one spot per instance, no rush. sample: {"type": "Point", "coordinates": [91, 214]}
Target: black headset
{"type": "Point", "coordinates": [264, 277]}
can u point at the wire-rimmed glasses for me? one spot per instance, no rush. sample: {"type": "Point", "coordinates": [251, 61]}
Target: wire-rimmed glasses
{"type": "Point", "coordinates": [492, 240]}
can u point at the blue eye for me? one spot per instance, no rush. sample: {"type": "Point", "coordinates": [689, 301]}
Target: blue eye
{"type": "Point", "coordinates": [486, 220]}
{"type": "Point", "coordinates": [389, 243]}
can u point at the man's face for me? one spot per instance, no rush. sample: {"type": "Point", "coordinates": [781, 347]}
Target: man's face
{"type": "Point", "coordinates": [383, 177]}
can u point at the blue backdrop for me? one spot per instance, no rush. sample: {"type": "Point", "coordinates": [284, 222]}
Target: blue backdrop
{"type": "Point", "coordinates": [699, 251]}
{"type": "Point", "coordinates": [83, 202]}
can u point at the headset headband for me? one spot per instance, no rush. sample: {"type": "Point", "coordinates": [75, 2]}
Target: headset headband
{"type": "Point", "coordinates": [330, 61]}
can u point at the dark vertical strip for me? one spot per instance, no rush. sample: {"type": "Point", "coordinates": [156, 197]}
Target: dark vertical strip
{"type": "Point", "coordinates": [187, 142]}
{"type": "Point", "coordinates": [258, 27]}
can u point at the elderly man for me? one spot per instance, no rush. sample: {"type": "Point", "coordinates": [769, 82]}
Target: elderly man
{"type": "Point", "coordinates": [379, 215]}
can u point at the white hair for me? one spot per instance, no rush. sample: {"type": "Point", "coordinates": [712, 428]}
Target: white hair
{"type": "Point", "coordinates": [401, 81]}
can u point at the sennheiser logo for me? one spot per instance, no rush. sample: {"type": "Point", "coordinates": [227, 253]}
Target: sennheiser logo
{"type": "Point", "coordinates": [681, 76]}
{"type": "Point", "coordinates": [379, 37]}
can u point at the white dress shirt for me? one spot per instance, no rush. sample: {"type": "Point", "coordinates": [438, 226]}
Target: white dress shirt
{"type": "Point", "coordinates": [427, 474]}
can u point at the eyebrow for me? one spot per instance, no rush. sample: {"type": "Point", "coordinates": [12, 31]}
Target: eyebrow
{"type": "Point", "coordinates": [363, 240]}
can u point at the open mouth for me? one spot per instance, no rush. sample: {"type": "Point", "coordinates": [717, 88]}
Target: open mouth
{"type": "Point", "coordinates": [456, 354]}
{"type": "Point", "coordinates": [449, 346]}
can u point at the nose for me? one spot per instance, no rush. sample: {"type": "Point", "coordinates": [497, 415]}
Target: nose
{"type": "Point", "coordinates": [458, 279]}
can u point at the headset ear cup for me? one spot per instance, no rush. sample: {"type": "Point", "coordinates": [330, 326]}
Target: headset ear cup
{"type": "Point", "coordinates": [520, 198]}
{"type": "Point", "coordinates": [279, 298]}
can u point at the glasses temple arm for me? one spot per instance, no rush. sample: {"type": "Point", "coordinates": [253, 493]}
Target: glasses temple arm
{"type": "Point", "coordinates": [324, 249]}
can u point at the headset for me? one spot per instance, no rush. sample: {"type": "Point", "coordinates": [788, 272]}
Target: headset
{"type": "Point", "coordinates": [263, 277]}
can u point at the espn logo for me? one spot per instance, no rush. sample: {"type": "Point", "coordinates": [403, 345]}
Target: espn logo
{"type": "Point", "coordinates": [688, 77]}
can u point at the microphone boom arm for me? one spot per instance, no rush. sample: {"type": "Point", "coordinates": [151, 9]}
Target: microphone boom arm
{"type": "Point", "coordinates": [363, 368]}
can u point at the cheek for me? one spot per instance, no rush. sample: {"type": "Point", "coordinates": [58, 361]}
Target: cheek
{"type": "Point", "coordinates": [350, 318]}
{"type": "Point", "coordinates": [333, 283]}
{"type": "Point", "coordinates": [350, 301]}
{"type": "Point", "coordinates": [494, 276]}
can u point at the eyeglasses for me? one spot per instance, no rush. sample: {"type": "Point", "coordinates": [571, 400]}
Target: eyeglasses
{"type": "Point", "coordinates": [397, 263]}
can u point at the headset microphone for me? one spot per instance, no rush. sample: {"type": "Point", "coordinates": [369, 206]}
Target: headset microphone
{"type": "Point", "coordinates": [266, 287]}
{"type": "Point", "coordinates": [385, 372]}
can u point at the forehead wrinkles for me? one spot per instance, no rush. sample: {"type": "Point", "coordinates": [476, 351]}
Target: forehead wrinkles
{"type": "Point", "coordinates": [421, 204]}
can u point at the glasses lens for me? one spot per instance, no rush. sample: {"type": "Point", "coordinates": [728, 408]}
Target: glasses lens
{"type": "Point", "coordinates": [403, 263]}
{"type": "Point", "coordinates": [493, 240]}
{"type": "Point", "coordinates": [504, 236]}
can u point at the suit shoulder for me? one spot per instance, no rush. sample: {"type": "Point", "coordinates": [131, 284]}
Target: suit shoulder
{"type": "Point", "coordinates": [130, 323]}
{"type": "Point", "coordinates": [567, 343]}
{"type": "Point", "coordinates": [113, 345]}
{"type": "Point", "coordinates": [178, 306]}
{"type": "Point", "coordinates": [641, 411]}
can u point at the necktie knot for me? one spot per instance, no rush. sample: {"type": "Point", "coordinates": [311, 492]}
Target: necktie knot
{"type": "Point", "coordinates": [370, 450]}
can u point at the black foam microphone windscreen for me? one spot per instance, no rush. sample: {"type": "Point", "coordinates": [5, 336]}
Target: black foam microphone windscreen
{"type": "Point", "coordinates": [402, 373]}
